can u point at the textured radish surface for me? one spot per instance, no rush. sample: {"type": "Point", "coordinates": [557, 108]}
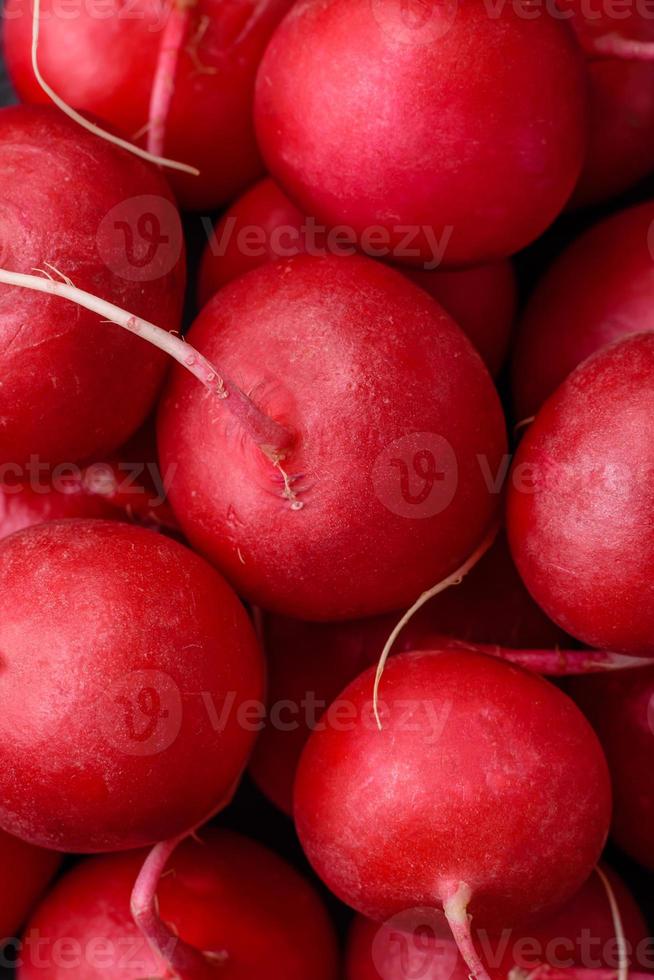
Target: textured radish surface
{"type": "Point", "coordinates": [621, 144]}
{"type": "Point", "coordinates": [483, 777]}
{"type": "Point", "coordinates": [311, 663]}
{"type": "Point", "coordinates": [621, 709]}
{"type": "Point", "coordinates": [26, 871]}
{"type": "Point", "coordinates": [265, 226]}
{"type": "Point", "coordinates": [118, 648]}
{"type": "Point", "coordinates": [599, 290]}
{"type": "Point", "coordinates": [581, 496]}
{"type": "Point", "coordinates": [479, 123]}
{"type": "Point", "coordinates": [584, 923]}
{"type": "Point", "coordinates": [397, 427]}
{"type": "Point", "coordinates": [223, 893]}
{"type": "Point", "coordinates": [72, 386]}
{"type": "Point", "coordinates": [210, 120]}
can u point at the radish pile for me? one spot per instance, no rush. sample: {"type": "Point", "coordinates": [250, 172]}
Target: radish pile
{"type": "Point", "coordinates": [326, 538]}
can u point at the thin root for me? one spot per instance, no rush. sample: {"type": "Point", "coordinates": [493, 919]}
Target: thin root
{"type": "Point", "coordinates": [454, 579]}
{"type": "Point", "coordinates": [86, 123]}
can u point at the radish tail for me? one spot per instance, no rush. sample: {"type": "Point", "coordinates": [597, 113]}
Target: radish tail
{"type": "Point", "coordinates": [455, 908]}
{"type": "Point", "coordinates": [86, 123]}
{"type": "Point", "coordinates": [615, 46]}
{"type": "Point", "coordinates": [184, 961]}
{"type": "Point", "coordinates": [454, 579]}
{"type": "Point", "coordinates": [623, 968]}
{"type": "Point", "coordinates": [550, 663]}
{"type": "Point", "coordinates": [163, 87]}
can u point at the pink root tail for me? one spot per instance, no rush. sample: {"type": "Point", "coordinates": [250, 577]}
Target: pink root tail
{"type": "Point", "coordinates": [551, 663]}
{"type": "Point", "coordinates": [163, 87]}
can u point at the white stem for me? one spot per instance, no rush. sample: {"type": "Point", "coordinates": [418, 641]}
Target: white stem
{"type": "Point", "coordinates": [271, 437]}
{"type": "Point", "coordinates": [455, 908]}
{"type": "Point", "coordinates": [454, 579]}
{"type": "Point", "coordinates": [623, 962]}
{"type": "Point", "coordinates": [86, 123]}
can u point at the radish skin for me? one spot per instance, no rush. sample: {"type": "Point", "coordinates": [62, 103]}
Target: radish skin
{"type": "Point", "coordinates": [465, 740]}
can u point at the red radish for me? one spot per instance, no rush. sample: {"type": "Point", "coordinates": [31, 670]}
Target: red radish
{"type": "Point", "coordinates": [73, 388]}
{"type": "Point", "coordinates": [26, 871]}
{"type": "Point", "coordinates": [126, 662]}
{"type": "Point", "coordinates": [264, 226]}
{"type": "Point", "coordinates": [224, 894]}
{"type": "Point", "coordinates": [482, 300]}
{"type": "Point", "coordinates": [595, 293]}
{"type": "Point", "coordinates": [397, 440]}
{"type": "Point", "coordinates": [621, 710]}
{"type": "Point", "coordinates": [580, 501]}
{"type": "Point", "coordinates": [375, 121]}
{"type": "Point", "coordinates": [621, 146]}
{"type": "Point", "coordinates": [582, 932]}
{"type": "Point", "coordinates": [416, 496]}
{"type": "Point", "coordinates": [486, 793]}
{"type": "Point", "coordinates": [311, 663]}
{"type": "Point", "coordinates": [208, 122]}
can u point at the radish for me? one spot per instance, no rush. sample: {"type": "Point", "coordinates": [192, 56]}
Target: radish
{"type": "Point", "coordinates": [26, 871]}
{"type": "Point", "coordinates": [583, 931]}
{"type": "Point", "coordinates": [264, 225]}
{"type": "Point", "coordinates": [621, 143]}
{"type": "Point", "coordinates": [126, 662]}
{"type": "Point", "coordinates": [251, 912]}
{"type": "Point", "coordinates": [73, 388]}
{"type": "Point", "coordinates": [580, 501]}
{"type": "Point", "coordinates": [621, 710]}
{"type": "Point", "coordinates": [184, 78]}
{"type": "Point", "coordinates": [595, 293]}
{"type": "Point", "coordinates": [422, 469]}
{"type": "Point", "coordinates": [621, 146]}
{"type": "Point", "coordinates": [485, 793]}
{"type": "Point", "coordinates": [311, 663]}
{"type": "Point", "coordinates": [395, 440]}
{"type": "Point", "coordinates": [386, 123]}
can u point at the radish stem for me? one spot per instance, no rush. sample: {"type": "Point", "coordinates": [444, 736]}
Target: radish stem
{"type": "Point", "coordinates": [272, 438]}
{"type": "Point", "coordinates": [551, 663]}
{"type": "Point", "coordinates": [615, 46]}
{"type": "Point", "coordinates": [455, 907]}
{"type": "Point", "coordinates": [185, 961]}
{"type": "Point", "coordinates": [164, 79]}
